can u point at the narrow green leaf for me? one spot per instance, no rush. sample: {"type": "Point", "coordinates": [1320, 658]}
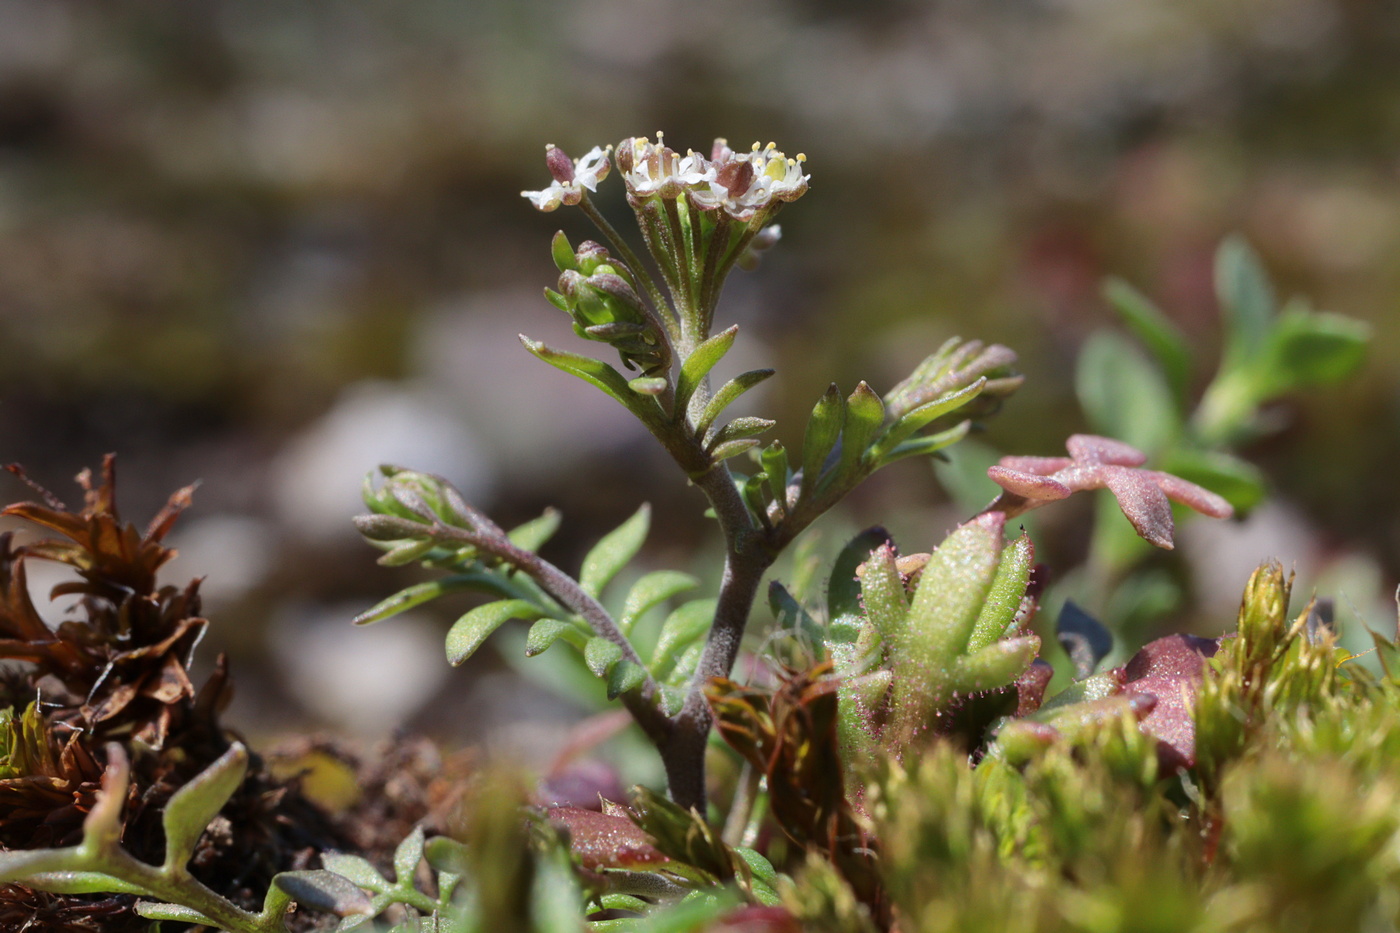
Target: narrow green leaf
{"type": "Point", "coordinates": [733, 448]}
{"type": "Point", "coordinates": [595, 372]}
{"type": "Point", "coordinates": [776, 472]}
{"type": "Point", "coordinates": [698, 365]}
{"type": "Point", "coordinates": [843, 590]}
{"type": "Point", "coordinates": [1246, 298]}
{"type": "Point", "coordinates": [470, 631]}
{"type": "Point", "coordinates": [405, 553]}
{"type": "Point", "coordinates": [883, 595]}
{"type": "Point", "coordinates": [415, 595]}
{"type": "Point", "coordinates": [753, 491]}
{"type": "Point", "coordinates": [739, 428]}
{"type": "Point", "coordinates": [556, 299]}
{"type": "Point", "coordinates": [996, 666]}
{"type": "Point", "coordinates": [544, 633]}
{"type": "Point", "coordinates": [625, 676]}
{"type": "Point", "coordinates": [175, 913]}
{"type": "Point", "coordinates": [613, 552]}
{"type": "Point", "coordinates": [650, 591]}
{"type": "Point", "coordinates": [931, 444]}
{"type": "Point", "coordinates": [823, 430]}
{"type": "Point", "coordinates": [865, 414]}
{"type": "Point", "coordinates": [682, 628]}
{"type": "Point", "coordinates": [921, 417]}
{"type": "Point", "coordinates": [1156, 330]}
{"type": "Point", "coordinates": [1008, 591]}
{"type": "Point", "coordinates": [326, 891]}
{"type": "Point", "coordinates": [193, 806]}
{"type": "Point", "coordinates": [532, 535]}
{"type": "Point", "coordinates": [726, 395]}
{"type": "Point", "coordinates": [600, 655]}
{"type": "Point", "coordinates": [81, 882]}
{"type": "Point", "coordinates": [1124, 395]}
{"type": "Point", "coordinates": [684, 667]}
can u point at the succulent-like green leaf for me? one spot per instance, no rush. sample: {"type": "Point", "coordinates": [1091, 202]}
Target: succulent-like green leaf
{"type": "Point", "coordinates": [865, 414]}
{"type": "Point", "coordinates": [470, 631]}
{"type": "Point", "coordinates": [544, 633]}
{"type": "Point", "coordinates": [175, 913]}
{"type": "Point", "coordinates": [682, 628]}
{"type": "Point", "coordinates": [532, 535]}
{"type": "Point", "coordinates": [600, 655]}
{"type": "Point", "coordinates": [613, 552]}
{"type": "Point", "coordinates": [823, 430]}
{"type": "Point", "coordinates": [192, 807]}
{"type": "Point", "coordinates": [733, 448]}
{"type": "Point", "coordinates": [883, 597]}
{"type": "Point", "coordinates": [1004, 598]}
{"type": "Point", "coordinates": [739, 428]}
{"type": "Point", "coordinates": [357, 869]}
{"type": "Point", "coordinates": [996, 665]}
{"type": "Point", "coordinates": [326, 891]}
{"type": "Point", "coordinates": [1157, 331]}
{"type": "Point", "coordinates": [562, 252]}
{"type": "Point", "coordinates": [698, 365]}
{"type": "Point", "coordinates": [650, 591]}
{"type": "Point", "coordinates": [419, 593]}
{"type": "Point", "coordinates": [776, 471]}
{"type": "Point", "coordinates": [648, 385]}
{"type": "Point", "coordinates": [624, 676]}
{"type": "Point", "coordinates": [407, 854]}
{"type": "Point", "coordinates": [930, 444]}
{"type": "Point", "coordinates": [447, 855]}
{"type": "Point", "coordinates": [726, 395]}
{"type": "Point", "coordinates": [406, 553]}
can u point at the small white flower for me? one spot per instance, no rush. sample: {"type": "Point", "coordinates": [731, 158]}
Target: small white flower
{"type": "Point", "coordinates": [745, 184]}
{"type": "Point", "coordinates": [650, 169]}
{"type": "Point", "coordinates": [570, 177]}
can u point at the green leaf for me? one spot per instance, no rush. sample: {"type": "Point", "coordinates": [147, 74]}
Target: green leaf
{"type": "Point", "coordinates": [407, 855]}
{"type": "Point", "coordinates": [883, 596]}
{"type": "Point", "coordinates": [1161, 336]}
{"type": "Point", "coordinates": [562, 252]}
{"type": "Point", "coordinates": [1124, 395]}
{"type": "Point", "coordinates": [823, 430]}
{"type": "Point", "coordinates": [613, 552]}
{"type": "Point", "coordinates": [357, 869]}
{"type": "Point", "coordinates": [682, 627]}
{"type": "Point", "coordinates": [698, 365]}
{"type": "Point", "coordinates": [726, 395]}
{"type": "Point", "coordinates": [650, 591]}
{"type": "Point", "coordinates": [648, 385]}
{"type": "Point", "coordinates": [1308, 348]}
{"type": "Point", "coordinates": [532, 535]}
{"type": "Point", "coordinates": [470, 631]}
{"type": "Point", "coordinates": [922, 416]}
{"type": "Point", "coordinates": [544, 633]}
{"type": "Point", "coordinates": [1004, 598]}
{"type": "Point", "coordinates": [405, 553]}
{"type": "Point", "coordinates": [446, 854]}
{"type": "Point", "coordinates": [755, 497]}
{"type": "Point", "coordinates": [776, 471]}
{"type": "Point", "coordinates": [175, 913]}
{"type": "Point", "coordinates": [192, 807]}
{"type": "Point", "coordinates": [556, 299]}
{"type": "Point", "coordinates": [738, 429]}
{"type": "Point", "coordinates": [624, 676]}
{"type": "Point", "coordinates": [843, 590]}
{"type": "Point", "coordinates": [325, 891]}
{"type": "Point", "coordinates": [417, 594]}
{"type": "Point", "coordinates": [600, 655]}
{"type": "Point", "coordinates": [930, 444]}
{"type": "Point", "coordinates": [81, 882]}
{"type": "Point", "coordinates": [865, 414]}
{"type": "Point", "coordinates": [733, 448]}
{"type": "Point", "coordinates": [997, 665]}
{"type": "Point", "coordinates": [594, 372]}
{"type": "Point", "coordinates": [1246, 298]}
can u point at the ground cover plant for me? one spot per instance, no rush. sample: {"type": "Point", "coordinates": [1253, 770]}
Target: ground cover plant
{"type": "Point", "coordinates": [908, 744]}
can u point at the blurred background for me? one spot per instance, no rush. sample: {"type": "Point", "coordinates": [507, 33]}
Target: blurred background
{"type": "Point", "coordinates": [268, 246]}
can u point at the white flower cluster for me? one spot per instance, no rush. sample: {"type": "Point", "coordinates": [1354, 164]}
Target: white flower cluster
{"type": "Point", "coordinates": [570, 177]}
{"type": "Point", "coordinates": [739, 184]}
